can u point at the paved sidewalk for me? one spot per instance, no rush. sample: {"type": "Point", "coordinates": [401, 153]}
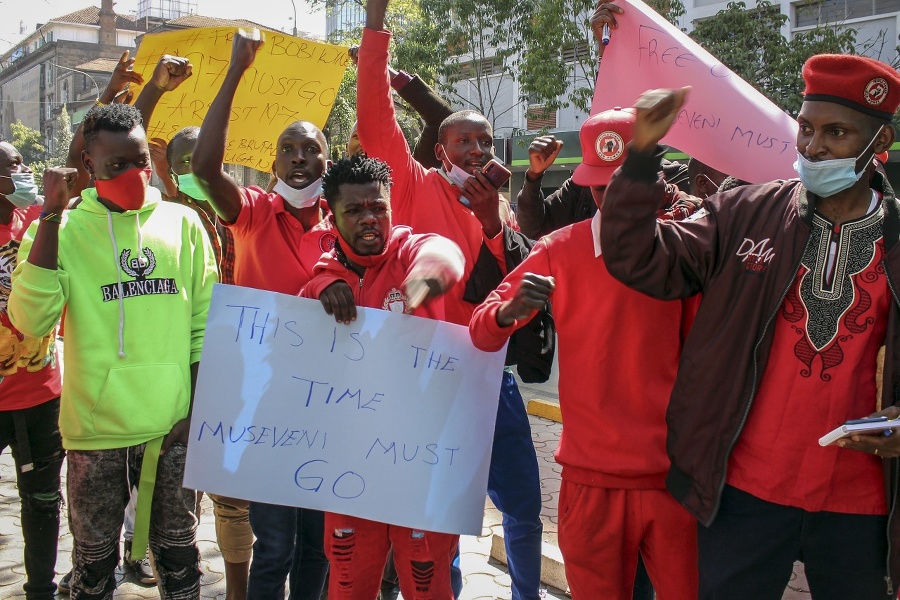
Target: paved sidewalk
{"type": "Point", "coordinates": [484, 577]}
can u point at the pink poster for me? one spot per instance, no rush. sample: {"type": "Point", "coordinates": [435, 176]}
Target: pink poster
{"type": "Point", "coordinates": [725, 123]}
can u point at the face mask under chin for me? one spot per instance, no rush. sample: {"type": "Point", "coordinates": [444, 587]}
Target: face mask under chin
{"type": "Point", "coordinates": [302, 198]}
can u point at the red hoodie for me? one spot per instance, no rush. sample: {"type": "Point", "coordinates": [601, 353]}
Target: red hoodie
{"type": "Point", "coordinates": [618, 355]}
{"type": "Point", "coordinates": [381, 286]}
{"type": "Point", "coordinates": [421, 198]}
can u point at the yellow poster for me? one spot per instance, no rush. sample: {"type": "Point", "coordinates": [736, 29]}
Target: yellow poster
{"type": "Point", "coordinates": [291, 79]}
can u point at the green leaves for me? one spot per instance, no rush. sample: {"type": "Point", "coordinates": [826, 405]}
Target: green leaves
{"type": "Point", "coordinates": [749, 42]}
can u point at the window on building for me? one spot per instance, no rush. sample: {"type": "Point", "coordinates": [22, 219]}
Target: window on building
{"type": "Point", "coordinates": [822, 12]}
{"type": "Point", "coordinates": [577, 53]}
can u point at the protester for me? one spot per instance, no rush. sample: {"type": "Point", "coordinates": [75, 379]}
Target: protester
{"type": "Point", "coordinates": [95, 263]}
{"type": "Point", "coordinates": [604, 396]}
{"type": "Point", "coordinates": [460, 203]}
{"type": "Point", "coordinates": [538, 215]}
{"type": "Point", "coordinates": [704, 180]}
{"type": "Point", "coordinates": [797, 300]}
{"type": "Point", "coordinates": [278, 239]}
{"type": "Point", "coordinates": [172, 161]}
{"type": "Point", "coordinates": [29, 390]}
{"type": "Point", "coordinates": [374, 264]}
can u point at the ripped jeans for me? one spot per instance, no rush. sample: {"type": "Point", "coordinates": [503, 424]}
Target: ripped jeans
{"type": "Point", "coordinates": [97, 486]}
{"type": "Point", "coordinates": [358, 549]}
{"type": "Point", "coordinates": [38, 489]}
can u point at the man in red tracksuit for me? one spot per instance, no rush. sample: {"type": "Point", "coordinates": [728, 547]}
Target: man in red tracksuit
{"type": "Point", "coordinates": [375, 265]}
{"type": "Point", "coordinates": [613, 503]}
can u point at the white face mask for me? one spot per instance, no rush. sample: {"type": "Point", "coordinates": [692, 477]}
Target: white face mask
{"type": "Point", "coordinates": [459, 177]}
{"type": "Point", "coordinates": [302, 198]}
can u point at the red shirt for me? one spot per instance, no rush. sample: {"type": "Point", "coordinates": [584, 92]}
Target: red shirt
{"type": "Point", "coordinates": [272, 250]}
{"type": "Point", "coordinates": [618, 355]}
{"type": "Point", "coordinates": [29, 369]}
{"type": "Point", "coordinates": [420, 198]}
{"type": "Point", "coordinates": [820, 373]}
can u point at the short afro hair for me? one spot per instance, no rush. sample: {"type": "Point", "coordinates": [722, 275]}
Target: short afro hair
{"type": "Point", "coordinates": [187, 133]}
{"type": "Point", "coordinates": [110, 117]}
{"type": "Point", "coordinates": [358, 168]}
{"type": "Point", "coordinates": [461, 115]}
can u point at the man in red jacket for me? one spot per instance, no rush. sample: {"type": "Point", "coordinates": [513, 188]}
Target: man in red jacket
{"type": "Point", "coordinates": [379, 266]}
{"type": "Point", "coordinates": [613, 503]}
{"type": "Point", "coordinates": [798, 296]}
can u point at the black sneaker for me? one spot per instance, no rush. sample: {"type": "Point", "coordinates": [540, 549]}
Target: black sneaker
{"type": "Point", "coordinates": [65, 584]}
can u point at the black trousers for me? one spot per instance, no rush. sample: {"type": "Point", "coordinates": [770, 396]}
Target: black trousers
{"type": "Point", "coordinates": [749, 550]}
{"type": "Point", "coordinates": [33, 436]}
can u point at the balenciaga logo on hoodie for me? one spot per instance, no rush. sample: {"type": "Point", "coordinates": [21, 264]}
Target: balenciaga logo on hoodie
{"type": "Point", "coordinates": [138, 267]}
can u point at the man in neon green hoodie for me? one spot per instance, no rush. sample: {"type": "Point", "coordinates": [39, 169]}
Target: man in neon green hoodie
{"type": "Point", "coordinates": [134, 276]}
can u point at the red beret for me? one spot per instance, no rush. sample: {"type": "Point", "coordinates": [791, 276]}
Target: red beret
{"type": "Point", "coordinates": [862, 83]}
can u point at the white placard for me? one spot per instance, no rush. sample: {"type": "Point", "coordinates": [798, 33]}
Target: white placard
{"type": "Point", "coordinates": [390, 418]}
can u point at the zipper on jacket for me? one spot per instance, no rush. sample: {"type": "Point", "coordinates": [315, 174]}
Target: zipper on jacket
{"type": "Point", "coordinates": [746, 414]}
{"type": "Point", "coordinates": [894, 475]}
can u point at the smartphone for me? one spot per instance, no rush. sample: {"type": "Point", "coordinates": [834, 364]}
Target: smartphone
{"type": "Point", "coordinates": [496, 173]}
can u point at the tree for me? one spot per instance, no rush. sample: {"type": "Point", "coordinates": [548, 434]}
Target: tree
{"type": "Point", "coordinates": [29, 143]}
{"type": "Point", "coordinates": [749, 42]}
{"type": "Point", "coordinates": [62, 140]}
{"type": "Point", "coordinates": [412, 51]}
{"type": "Point", "coordinates": [560, 57]}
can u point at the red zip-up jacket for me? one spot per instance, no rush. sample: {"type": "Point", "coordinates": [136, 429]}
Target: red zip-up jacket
{"type": "Point", "coordinates": [381, 286]}
{"type": "Point", "coordinates": [742, 250]}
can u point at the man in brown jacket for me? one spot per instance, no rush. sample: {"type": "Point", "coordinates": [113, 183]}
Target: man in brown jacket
{"type": "Point", "coordinates": [798, 291]}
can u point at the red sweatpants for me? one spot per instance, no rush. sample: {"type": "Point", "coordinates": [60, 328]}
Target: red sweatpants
{"type": "Point", "coordinates": [601, 531]}
{"type": "Point", "coordinates": [358, 549]}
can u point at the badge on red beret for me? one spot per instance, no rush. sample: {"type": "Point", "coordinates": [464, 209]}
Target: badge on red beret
{"type": "Point", "coordinates": [859, 82]}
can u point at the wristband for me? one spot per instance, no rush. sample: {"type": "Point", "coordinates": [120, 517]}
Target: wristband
{"type": "Point", "coordinates": [51, 217]}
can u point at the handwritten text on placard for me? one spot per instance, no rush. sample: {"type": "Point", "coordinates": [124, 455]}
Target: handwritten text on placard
{"type": "Point", "coordinates": [390, 419]}
{"type": "Point", "coordinates": [726, 123]}
{"type": "Point", "coordinates": [291, 79]}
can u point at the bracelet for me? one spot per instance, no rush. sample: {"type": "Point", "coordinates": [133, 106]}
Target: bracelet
{"type": "Point", "coordinates": [51, 217]}
{"type": "Point", "coordinates": [99, 102]}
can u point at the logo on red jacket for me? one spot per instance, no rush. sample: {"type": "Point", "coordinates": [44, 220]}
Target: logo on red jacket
{"type": "Point", "coordinates": [609, 146]}
{"type": "Point", "coordinates": [396, 301]}
{"type": "Point", "coordinates": [756, 256]}
{"type": "Point", "coordinates": [327, 242]}
{"type": "Point", "coordinates": [876, 91]}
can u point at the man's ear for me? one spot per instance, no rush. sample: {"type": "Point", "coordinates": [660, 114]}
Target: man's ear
{"type": "Point", "coordinates": [87, 162]}
{"type": "Point", "coordinates": [439, 152]}
{"type": "Point", "coordinates": [885, 139]}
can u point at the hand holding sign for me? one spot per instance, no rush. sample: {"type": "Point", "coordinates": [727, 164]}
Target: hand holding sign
{"type": "Point", "coordinates": [604, 15]}
{"type": "Point", "coordinates": [656, 111]}
{"type": "Point", "coordinates": [244, 48]}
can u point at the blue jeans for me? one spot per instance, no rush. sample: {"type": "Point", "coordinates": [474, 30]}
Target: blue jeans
{"type": "Point", "coordinates": [514, 486]}
{"type": "Point", "coordinates": [289, 541]}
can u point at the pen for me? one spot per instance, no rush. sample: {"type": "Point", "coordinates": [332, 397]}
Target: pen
{"type": "Point", "coordinates": [605, 38]}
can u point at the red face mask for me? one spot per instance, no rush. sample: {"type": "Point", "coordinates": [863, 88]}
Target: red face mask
{"type": "Point", "coordinates": [127, 191]}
